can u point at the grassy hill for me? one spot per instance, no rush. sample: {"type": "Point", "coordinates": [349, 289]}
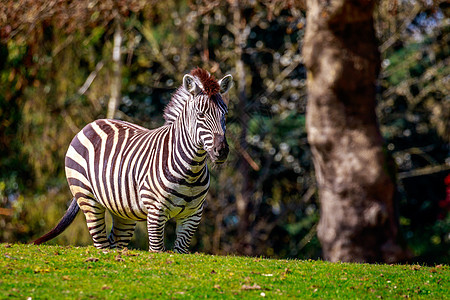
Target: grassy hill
{"type": "Point", "coordinates": [43, 272]}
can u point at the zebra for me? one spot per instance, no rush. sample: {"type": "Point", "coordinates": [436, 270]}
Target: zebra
{"type": "Point", "coordinates": [155, 175]}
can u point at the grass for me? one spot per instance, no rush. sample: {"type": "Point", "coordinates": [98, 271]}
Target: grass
{"type": "Point", "coordinates": [43, 272]}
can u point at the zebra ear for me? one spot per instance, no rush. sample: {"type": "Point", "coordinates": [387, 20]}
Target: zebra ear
{"type": "Point", "coordinates": [225, 83]}
{"type": "Point", "coordinates": [190, 85]}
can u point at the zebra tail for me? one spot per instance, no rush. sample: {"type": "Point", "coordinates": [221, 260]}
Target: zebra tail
{"type": "Point", "coordinates": [66, 220]}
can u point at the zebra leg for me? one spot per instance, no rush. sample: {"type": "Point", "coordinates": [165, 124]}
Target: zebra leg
{"type": "Point", "coordinates": [121, 232]}
{"type": "Point", "coordinates": [185, 230]}
{"type": "Point", "coordinates": [95, 219]}
{"type": "Point", "coordinates": [156, 222]}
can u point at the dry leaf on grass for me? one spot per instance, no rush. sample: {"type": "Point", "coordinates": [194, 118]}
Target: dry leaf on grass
{"type": "Point", "coordinates": [251, 287]}
{"type": "Point", "coordinates": [94, 259]}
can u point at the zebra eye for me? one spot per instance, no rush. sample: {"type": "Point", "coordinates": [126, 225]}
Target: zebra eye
{"type": "Point", "coordinates": [201, 114]}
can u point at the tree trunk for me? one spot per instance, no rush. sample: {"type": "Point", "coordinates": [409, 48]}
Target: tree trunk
{"type": "Point", "coordinates": [116, 84]}
{"type": "Point", "coordinates": [357, 222]}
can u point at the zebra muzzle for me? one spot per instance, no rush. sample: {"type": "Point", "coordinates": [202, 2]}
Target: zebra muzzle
{"type": "Point", "coordinates": [220, 149]}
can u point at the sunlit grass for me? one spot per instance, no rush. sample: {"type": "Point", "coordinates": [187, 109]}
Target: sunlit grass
{"type": "Point", "coordinates": [42, 272]}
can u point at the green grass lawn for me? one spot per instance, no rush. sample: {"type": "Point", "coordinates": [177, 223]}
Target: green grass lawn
{"type": "Point", "coordinates": [43, 272]}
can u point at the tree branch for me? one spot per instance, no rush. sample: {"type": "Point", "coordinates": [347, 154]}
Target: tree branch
{"type": "Point", "coordinates": [83, 89]}
{"type": "Point", "coordinates": [423, 171]}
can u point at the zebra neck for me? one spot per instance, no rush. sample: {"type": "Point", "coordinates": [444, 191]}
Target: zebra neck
{"type": "Point", "coordinates": [187, 159]}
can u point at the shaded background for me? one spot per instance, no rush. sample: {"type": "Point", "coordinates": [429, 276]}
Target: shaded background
{"type": "Point", "coordinates": [58, 74]}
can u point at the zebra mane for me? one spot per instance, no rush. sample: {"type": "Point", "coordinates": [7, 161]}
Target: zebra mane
{"type": "Point", "coordinates": [175, 106]}
{"type": "Point", "coordinates": [205, 81]}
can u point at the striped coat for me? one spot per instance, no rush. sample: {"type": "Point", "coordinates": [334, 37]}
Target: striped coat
{"type": "Point", "coordinates": [155, 175]}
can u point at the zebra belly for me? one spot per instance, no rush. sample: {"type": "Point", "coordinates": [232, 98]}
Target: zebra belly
{"type": "Point", "coordinates": [177, 201]}
{"type": "Point", "coordinates": [124, 203]}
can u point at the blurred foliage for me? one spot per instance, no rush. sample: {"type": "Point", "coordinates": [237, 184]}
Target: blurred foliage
{"type": "Point", "coordinates": [414, 114]}
{"type": "Point", "coordinates": [56, 59]}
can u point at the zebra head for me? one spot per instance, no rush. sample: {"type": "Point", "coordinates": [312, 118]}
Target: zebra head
{"type": "Point", "coordinates": [208, 112]}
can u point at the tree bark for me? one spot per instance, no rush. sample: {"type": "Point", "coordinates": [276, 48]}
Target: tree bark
{"type": "Point", "coordinates": [358, 221]}
{"type": "Point", "coordinates": [116, 84]}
